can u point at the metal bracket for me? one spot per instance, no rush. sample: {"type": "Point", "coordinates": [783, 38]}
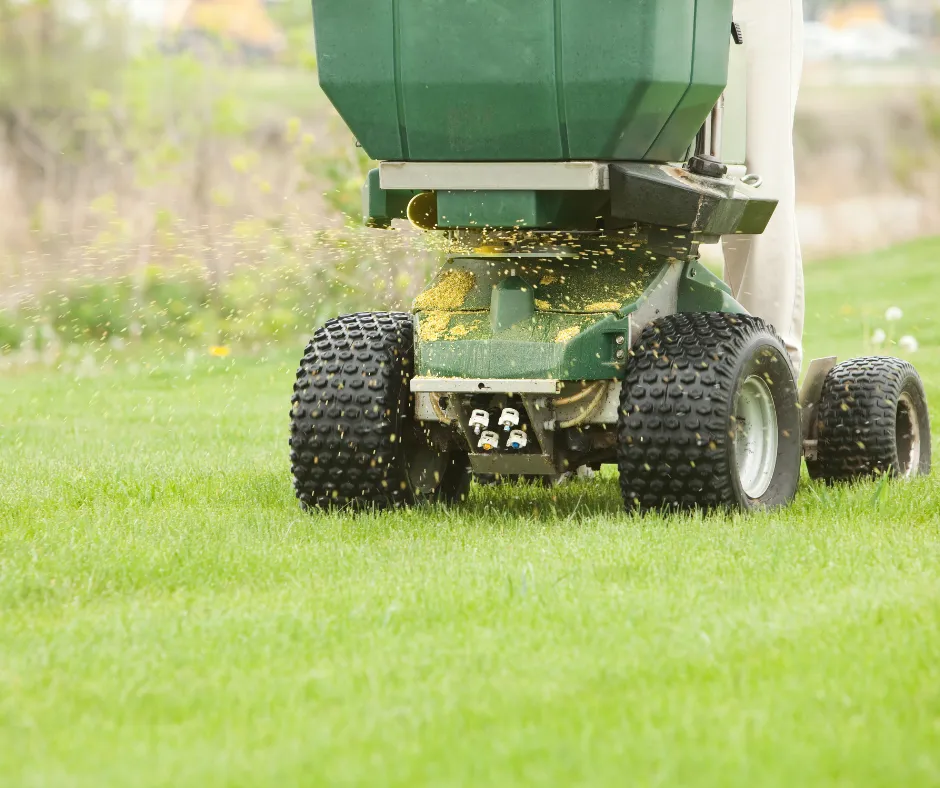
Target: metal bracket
{"type": "Point", "coordinates": [810, 393]}
{"type": "Point", "coordinates": [607, 412]}
{"type": "Point", "coordinates": [512, 464]}
{"type": "Point", "coordinates": [464, 421]}
{"type": "Point", "coordinates": [539, 413]}
{"type": "Point", "coordinates": [524, 464]}
{"type": "Point", "coordinates": [476, 386]}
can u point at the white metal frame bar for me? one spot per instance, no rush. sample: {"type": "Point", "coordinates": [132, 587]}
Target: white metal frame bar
{"type": "Point", "coordinates": [473, 386]}
{"type": "Point", "coordinates": [573, 176]}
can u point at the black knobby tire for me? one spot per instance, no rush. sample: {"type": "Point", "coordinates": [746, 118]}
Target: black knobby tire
{"type": "Point", "coordinates": [872, 419]}
{"type": "Point", "coordinates": [678, 431]}
{"type": "Point", "coordinates": [354, 442]}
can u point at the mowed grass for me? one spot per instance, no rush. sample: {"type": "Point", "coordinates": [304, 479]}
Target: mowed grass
{"type": "Point", "coordinates": [168, 617]}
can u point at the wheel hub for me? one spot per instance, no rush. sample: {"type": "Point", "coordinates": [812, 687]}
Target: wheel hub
{"type": "Point", "coordinates": [755, 436]}
{"type": "Point", "coordinates": [907, 436]}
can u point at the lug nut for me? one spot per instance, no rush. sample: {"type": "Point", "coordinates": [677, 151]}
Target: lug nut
{"type": "Point", "coordinates": [621, 339]}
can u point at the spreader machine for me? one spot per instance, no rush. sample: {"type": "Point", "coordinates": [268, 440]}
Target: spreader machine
{"type": "Point", "coordinates": [574, 155]}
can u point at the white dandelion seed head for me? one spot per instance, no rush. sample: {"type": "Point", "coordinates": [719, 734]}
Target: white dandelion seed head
{"type": "Point", "coordinates": [893, 314]}
{"type": "Point", "coordinates": [879, 336]}
{"type": "Point", "coordinates": [908, 344]}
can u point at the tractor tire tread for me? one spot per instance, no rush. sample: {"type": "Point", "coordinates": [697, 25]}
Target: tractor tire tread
{"type": "Point", "coordinates": [676, 411]}
{"type": "Point", "coordinates": [344, 450]}
{"type": "Point", "coordinates": [856, 419]}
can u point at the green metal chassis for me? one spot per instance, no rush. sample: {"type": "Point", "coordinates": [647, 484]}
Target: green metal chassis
{"type": "Point", "coordinates": [554, 280]}
{"type": "Point", "coordinates": [570, 317]}
{"type": "Point", "coordinates": [550, 292]}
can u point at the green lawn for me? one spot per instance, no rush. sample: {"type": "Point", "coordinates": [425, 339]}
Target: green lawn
{"type": "Point", "coordinates": [169, 617]}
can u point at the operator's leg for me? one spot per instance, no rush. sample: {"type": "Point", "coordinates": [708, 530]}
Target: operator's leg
{"type": "Point", "coordinates": [766, 271]}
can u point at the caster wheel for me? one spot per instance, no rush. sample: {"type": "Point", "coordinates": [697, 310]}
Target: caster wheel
{"type": "Point", "coordinates": [709, 417]}
{"type": "Point", "coordinates": [872, 420]}
{"type": "Point", "coordinates": [354, 441]}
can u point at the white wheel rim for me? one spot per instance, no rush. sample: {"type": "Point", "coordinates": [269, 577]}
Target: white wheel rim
{"type": "Point", "coordinates": [755, 436]}
{"type": "Point", "coordinates": [907, 437]}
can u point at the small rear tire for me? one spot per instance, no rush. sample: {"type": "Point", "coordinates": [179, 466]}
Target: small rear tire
{"type": "Point", "coordinates": [872, 419]}
{"type": "Point", "coordinates": [709, 417]}
{"type": "Point", "coordinates": [354, 441]}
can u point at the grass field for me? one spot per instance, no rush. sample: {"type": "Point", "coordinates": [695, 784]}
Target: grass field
{"type": "Point", "coordinates": [168, 617]}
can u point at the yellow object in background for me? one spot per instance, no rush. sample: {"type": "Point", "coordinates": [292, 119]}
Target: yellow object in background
{"type": "Point", "coordinates": [855, 14]}
{"type": "Point", "coordinates": [243, 21]}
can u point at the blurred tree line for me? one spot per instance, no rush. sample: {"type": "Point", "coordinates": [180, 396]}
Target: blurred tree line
{"type": "Point", "coordinates": [148, 187]}
{"type": "Point", "coordinates": [127, 165]}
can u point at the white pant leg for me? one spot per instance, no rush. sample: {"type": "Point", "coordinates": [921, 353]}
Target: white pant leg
{"type": "Point", "coordinates": [766, 271]}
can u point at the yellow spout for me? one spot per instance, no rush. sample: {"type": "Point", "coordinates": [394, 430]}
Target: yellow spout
{"type": "Point", "coordinates": [422, 211]}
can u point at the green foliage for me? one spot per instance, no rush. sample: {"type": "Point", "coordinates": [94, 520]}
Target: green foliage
{"type": "Point", "coordinates": [91, 310]}
{"type": "Point", "coordinates": [277, 300]}
{"type": "Point", "coordinates": [930, 103]}
{"type": "Point", "coordinates": [38, 87]}
{"type": "Point", "coordinates": [266, 305]}
{"type": "Point", "coordinates": [905, 165]}
{"type": "Point", "coordinates": [11, 333]}
{"type": "Point", "coordinates": [295, 18]}
{"type": "Point", "coordinates": [95, 310]}
{"type": "Point", "coordinates": [169, 305]}
{"type": "Point", "coordinates": [345, 167]}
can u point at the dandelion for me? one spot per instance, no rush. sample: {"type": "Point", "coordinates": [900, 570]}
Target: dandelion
{"type": "Point", "coordinates": [219, 351]}
{"type": "Point", "coordinates": [878, 337]}
{"type": "Point", "coordinates": [894, 314]}
{"type": "Point", "coordinates": [908, 344]}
